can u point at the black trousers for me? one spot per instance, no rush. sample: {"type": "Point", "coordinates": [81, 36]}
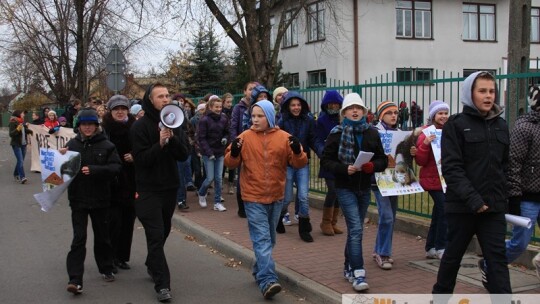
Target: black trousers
{"type": "Point", "coordinates": [155, 211]}
{"type": "Point", "coordinates": [103, 252]}
{"type": "Point", "coordinates": [121, 229]}
{"type": "Point", "coordinates": [490, 228]}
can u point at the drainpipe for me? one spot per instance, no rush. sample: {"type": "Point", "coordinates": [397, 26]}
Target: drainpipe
{"type": "Point", "coordinates": [355, 33]}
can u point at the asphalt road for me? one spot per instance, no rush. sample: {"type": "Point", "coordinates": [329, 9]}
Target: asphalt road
{"type": "Point", "coordinates": [34, 245]}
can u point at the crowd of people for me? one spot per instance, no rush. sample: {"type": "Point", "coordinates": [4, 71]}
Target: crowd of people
{"type": "Point", "coordinates": [264, 144]}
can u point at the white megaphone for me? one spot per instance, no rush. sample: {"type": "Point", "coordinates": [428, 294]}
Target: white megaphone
{"type": "Point", "coordinates": [171, 117]}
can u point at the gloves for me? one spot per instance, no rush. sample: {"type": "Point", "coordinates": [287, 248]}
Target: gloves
{"type": "Point", "coordinates": [224, 141]}
{"type": "Point", "coordinates": [295, 144]}
{"type": "Point", "coordinates": [236, 147]}
{"type": "Point", "coordinates": [51, 131]}
{"type": "Point", "coordinates": [514, 205]}
{"type": "Point", "coordinates": [367, 168]}
{"type": "Point", "coordinates": [19, 128]}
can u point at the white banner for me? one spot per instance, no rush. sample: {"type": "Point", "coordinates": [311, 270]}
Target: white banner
{"type": "Point", "coordinates": [436, 148]}
{"type": "Point", "coordinates": [42, 139]}
{"type": "Point", "coordinates": [399, 177]}
{"type": "Point", "coordinates": [57, 172]}
{"type": "Point", "coordinates": [439, 298]}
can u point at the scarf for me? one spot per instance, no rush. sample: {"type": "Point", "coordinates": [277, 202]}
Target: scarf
{"type": "Point", "coordinates": [349, 130]}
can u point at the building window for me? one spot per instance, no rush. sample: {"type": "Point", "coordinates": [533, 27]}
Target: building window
{"type": "Point", "coordinates": [468, 72]}
{"type": "Point", "coordinates": [291, 33]}
{"type": "Point", "coordinates": [316, 22]}
{"type": "Point", "coordinates": [410, 74]}
{"type": "Point", "coordinates": [292, 80]}
{"type": "Point", "coordinates": [272, 31]}
{"type": "Point", "coordinates": [535, 25]}
{"type": "Point", "coordinates": [413, 19]}
{"type": "Point", "coordinates": [317, 78]}
{"type": "Point", "coordinates": [479, 22]}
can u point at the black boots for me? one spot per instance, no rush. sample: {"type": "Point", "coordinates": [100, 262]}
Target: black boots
{"type": "Point", "coordinates": [280, 228]}
{"type": "Point", "coordinates": [304, 228]}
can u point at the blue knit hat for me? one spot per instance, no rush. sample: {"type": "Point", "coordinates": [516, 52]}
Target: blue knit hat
{"type": "Point", "coordinates": [269, 111]}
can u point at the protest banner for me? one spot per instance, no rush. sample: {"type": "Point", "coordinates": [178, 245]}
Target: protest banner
{"type": "Point", "coordinates": [42, 139]}
{"type": "Point", "coordinates": [436, 148]}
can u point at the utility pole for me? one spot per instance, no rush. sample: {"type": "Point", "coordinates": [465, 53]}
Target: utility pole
{"type": "Point", "coordinates": [519, 42]}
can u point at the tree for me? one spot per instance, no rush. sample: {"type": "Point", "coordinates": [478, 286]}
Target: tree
{"type": "Point", "coordinates": [205, 71]}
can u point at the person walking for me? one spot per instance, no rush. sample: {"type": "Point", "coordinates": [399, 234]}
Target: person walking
{"type": "Point", "coordinates": [474, 150]}
{"type": "Point", "coordinates": [342, 146]}
{"type": "Point", "coordinates": [89, 195]}
{"type": "Point", "coordinates": [155, 152]}
{"type": "Point", "coordinates": [117, 123]}
{"type": "Point", "coordinates": [328, 119]}
{"type": "Point", "coordinates": [403, 116]}
{"type": "Point", "coordinates": [431, 181]}
{"type": "Point", "coordinates": [262, 153]}
{"type": "Point", "coordinates": [18, 131]}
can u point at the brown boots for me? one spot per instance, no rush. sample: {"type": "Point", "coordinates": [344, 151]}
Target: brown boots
{"type": "Point", "coordinates": [329, 221]}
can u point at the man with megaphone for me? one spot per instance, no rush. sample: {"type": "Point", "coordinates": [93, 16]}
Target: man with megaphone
{"type": "Point", "coordinates": [158, 143]}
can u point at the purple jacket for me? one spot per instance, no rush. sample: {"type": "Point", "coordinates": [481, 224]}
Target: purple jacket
{"type": "Point", "coordinates": [212, 129]}
{"type": "Point", "coordinates": [236, 119]}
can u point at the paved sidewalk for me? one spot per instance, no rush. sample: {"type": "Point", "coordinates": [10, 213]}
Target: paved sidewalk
{"type": "Point", "coordinates": [317, 267]}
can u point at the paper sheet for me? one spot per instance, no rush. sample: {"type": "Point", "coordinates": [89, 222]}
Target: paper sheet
{"type": "Point", "coordinates": [362, 158]}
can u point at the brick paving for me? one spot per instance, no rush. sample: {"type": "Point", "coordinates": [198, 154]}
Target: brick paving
{"type": "Point", "coordinates": [322, 260]}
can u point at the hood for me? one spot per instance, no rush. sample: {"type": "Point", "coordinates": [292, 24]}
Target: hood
{"type": "Point", "coordinates": [269, 112]}
{"type": "Point", "coordinates": [288, 97]}
{"type": "Point", "coordinates": [531, 117]}
{"type": "Point", "coordinates": [466, 96]}
{"type": "Point", "coordinates": [257, 90]}
{"type": "Point", "coordinates": [148, 107]}
{"type": "Point", "coordinates": [331, 96]}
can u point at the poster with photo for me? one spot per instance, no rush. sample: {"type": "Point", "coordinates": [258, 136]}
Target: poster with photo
{"type": "Point", "coordinates": [436, 148]}
{"type": "Point", "coordinates": [42, 139]}
{"type": "Point", "coordinates": [57, 172]}
{"type": "Point", "coordinates": [399, 178]}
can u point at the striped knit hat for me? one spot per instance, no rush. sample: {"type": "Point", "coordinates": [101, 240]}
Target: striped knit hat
{"type": "Point", "coordinates": [384, 107]}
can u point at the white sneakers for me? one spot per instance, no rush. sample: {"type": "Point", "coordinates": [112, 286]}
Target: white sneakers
{"type": "Point", "coordinates": [435, 254]}
{"type": "Point", "coordinates": [202, 201]}
{"type": "Point", "coordinates": [359, 281]}
{"type": "Point", "coordinates": [219, 207]}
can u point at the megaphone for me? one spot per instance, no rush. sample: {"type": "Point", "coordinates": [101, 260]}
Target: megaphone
{"type": "Point", "coordinates": [171, 116]}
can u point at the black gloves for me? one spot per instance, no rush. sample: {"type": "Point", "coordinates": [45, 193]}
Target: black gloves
{"type": "Point", "coordinates": [295, 145]}
{"type": "Point", "coordinates": [236, 146]}
{"type": "Point", "coordinates": [51, 131]}
{"type": "Point", "coordinates": [514, 205]}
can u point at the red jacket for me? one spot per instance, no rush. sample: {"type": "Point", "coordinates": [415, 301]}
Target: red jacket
{"type": "Point", "coordinates": [429, 176]}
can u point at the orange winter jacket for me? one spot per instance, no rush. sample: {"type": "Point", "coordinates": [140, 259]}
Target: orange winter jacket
{"type": "Point", "coordinates": [263, 164]}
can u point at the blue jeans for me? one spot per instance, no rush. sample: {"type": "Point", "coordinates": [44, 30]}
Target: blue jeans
{"type": "Point", "coordinates": [387, 208]}
{"type": "Point", "coordinates": [404, 125]}
{"type": "Point", "coordinates": [354, 205]}
{"type": "Point", "coordinates": [181, 193]}
{"type": "Point", "coordinates": [300, 177]}
{"type": "Point", "coordinates": [521, 236]}
{"type": "Point", "coordinates": [187, 173]}
{"type": "Point", "coordinates": [438, 229]}
{"type": "Point", "coordinates": [262, 222]}
{"type": "Point", "coordinates": [20, 154]}
{"type": "Point", "coordinates": [214, 168]}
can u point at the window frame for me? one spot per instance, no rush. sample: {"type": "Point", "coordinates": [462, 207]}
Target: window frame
{"type": "Point", "coordinates": [410, 18]}
{"type": "Point", "coordinates": [478, 22]}
{"type": "Point", "coordinates": [319, 12]}
{"type": "Point", "coordinates": [468, 72]}
{"type": "Point", "coordinates": [537, 25]}
{"type": "Point", "coordinates": [415, 74]}
{"type": "Point", "coordinates": [319, 74]}
{"type": "Point", "coordinates": [291, 32]}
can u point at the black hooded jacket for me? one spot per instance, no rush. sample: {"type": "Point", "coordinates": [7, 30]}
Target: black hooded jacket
{"type": "Point", "coordinates": [156, 169]}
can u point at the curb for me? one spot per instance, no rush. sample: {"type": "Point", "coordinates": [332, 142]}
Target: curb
{"type": "Point", "coordinates": [293, 281]}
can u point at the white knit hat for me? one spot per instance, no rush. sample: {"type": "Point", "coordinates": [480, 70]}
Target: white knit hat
{"type": "Point", "coordinates": [353, 99]}
{"type": "Point", "coordinates": [437, 106]}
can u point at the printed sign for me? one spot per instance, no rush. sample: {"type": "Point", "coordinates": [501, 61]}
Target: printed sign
{"type": "Point", "coordinates": [42, 139]}
{"type": "Point", "coordinates": [436, 148]}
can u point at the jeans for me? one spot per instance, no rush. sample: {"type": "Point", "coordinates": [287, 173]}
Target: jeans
{"type": "Point", "coordinates": [188, 174]}
{"type": "Point", "coordinates": [387, 208]}
{"type": "Point", "coordinates": [521, 236]}
{"type": "Point", "coordinates": [354, 205]}
{"type": "Point", "coordinates": [20, 154]}
{"type": "Point", "coordinates": [438, 228]}
{"type": "Point", "coordinates": [181, 193]}
{"type": "Point", "coordinates": [404, 125]}
{"type": "Point", "coordinates": [262, 222]}
{"type": "Point", "coordinates": [214, 168]}
{"type": "Point", "coordinates": [300, 177]}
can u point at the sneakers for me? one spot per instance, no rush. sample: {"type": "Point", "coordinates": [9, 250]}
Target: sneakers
{"type": "Point", "coordinates": [221, 199]}
{"type": "Point", "coordinates": [164, 295]}
{"type": "Point", "coordinates": [108, 277]}
{"type": "Point", "coordinates": [347, 274]}
{"type": "Point", "coordinates": [74, 288]}
{"type": "Point", "coordinates": [440, 254]}
{"type": "Point", "coordinates": [271, 290]}
{"type": "Point", "coordinates": [431, 253]}
{"type": "Point", "coordinates": [383, 261]}
{"type": "Point", "coordinates": [17, 178]}
{"type": "Point", "coordinates": [182, 205]}
{"type": "Point", "coordinates": [536, 263]}
{"type": "Point", "coordinates": [296, 218]}
{"type": "Point", "coordinates": [23, 180]}
{"type": "Point", "coordinates": [286, 219]}
{"type": "Point", "coordinates": [202, 201]}
{"type": "Point", "coordinates": [483, 272]}
{"type": "Point", "coordinates": [359, 281]}
{"type": "Point", "coordinates": [219, 207]}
